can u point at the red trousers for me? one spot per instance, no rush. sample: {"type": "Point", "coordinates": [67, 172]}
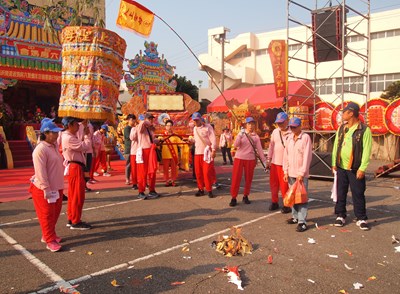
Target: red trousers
{"type": "Point", "coordinates": [47, 213]}
{"type": "Point", "coordinates": [240, 165]}
{"type": "Point", "coordinates": [205, 172]}
{"type": "Point", "coordinates": [167, 163]}
{"type": "Point", "coordinates": [143, 173]}
{"type": "Point", "coordinates": [276, 182]}
{"type": "Point", "coordinates": [76, 193]}
{"type": "Point", "coordinates": [133, 169]}
{"type": "Point", "coordinates": [101, 160]}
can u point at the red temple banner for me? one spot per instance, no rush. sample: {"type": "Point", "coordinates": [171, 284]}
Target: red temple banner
{"type": "Point", "coordinates": [277, 51]}
{"type": "Point", "coordinates": [136, 17]}
{"type": "Point", "coordinates": [392, 117]}
{"type": "Point", "coordinates": [376, 116]}
{"type": "Point", "coordinates": [323, 116]}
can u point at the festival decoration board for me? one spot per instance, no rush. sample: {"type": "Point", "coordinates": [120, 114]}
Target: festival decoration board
{"type": "Point", "coordinates": [392, 117]}
{"type": "Point", "coordinates": [375, 111]}
{"type": "Point", "coordinates": [91, 72]}
{"type": "Point", "coordinates": [323, 116]}
{"type": "Point", "coordinates": [301, 111]}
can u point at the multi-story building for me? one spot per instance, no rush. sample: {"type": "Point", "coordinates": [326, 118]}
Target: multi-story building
{"type": "Point", "coordinates": [247, 64]}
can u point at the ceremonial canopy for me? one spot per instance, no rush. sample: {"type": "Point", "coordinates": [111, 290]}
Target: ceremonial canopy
{"type": "Point", "coordinates": [265, 96]}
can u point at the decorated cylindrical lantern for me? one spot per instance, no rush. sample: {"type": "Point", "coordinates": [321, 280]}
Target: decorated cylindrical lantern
{"type": "Point", "coordinates": [92, 60]}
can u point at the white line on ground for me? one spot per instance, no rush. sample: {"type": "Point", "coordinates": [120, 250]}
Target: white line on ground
{"type": "Point", "coordinates": [126, 264]}
{"type": "Point", "coordinates": [60, 282]}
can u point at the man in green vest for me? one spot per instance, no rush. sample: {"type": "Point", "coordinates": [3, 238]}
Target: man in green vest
{"type": "Point", "coordinates": [350, 158]}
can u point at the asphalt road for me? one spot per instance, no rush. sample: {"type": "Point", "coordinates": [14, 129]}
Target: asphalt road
{"type": "Point", "coordinates": [146, 245]}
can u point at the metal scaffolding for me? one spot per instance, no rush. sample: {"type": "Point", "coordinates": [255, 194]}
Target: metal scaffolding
{"type": "Point", "coordinates": [301, 36]}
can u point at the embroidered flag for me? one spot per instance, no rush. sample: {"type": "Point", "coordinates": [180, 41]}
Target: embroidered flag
{"type": "Point", "coordinates": [136, 17]}
{"type": "Point", "coordinates": [277, 51]}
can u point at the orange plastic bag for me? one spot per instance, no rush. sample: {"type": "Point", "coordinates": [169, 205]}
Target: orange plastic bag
{"type": "Point", "coordinates": [289, 199]}
{"type": "Point", "coordinates": [301, 193]}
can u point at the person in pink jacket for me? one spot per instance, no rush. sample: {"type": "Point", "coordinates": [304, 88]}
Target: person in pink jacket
{"type": "Point", "coordinates": [276, 148]}
{"type": "Point", "coordinates": [204, 154]}
{"type": "Point", "coordinates": [245, 160]}
{"type": "Point", "coordinates": [48, 183]}
{"type": "Point", "coordinates": [296, 166]}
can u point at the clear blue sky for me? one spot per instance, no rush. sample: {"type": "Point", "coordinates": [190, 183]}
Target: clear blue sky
{"type": "Point", "coordinates": [192, 20]}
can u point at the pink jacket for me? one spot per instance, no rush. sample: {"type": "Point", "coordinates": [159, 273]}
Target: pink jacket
{"type": "Point", "coordinates": [134, 143]}
{"type": "Point", "coordinates": [297, 156]}
{"type": "Point", "coordinates": [143, 135]}
{"type": "Point", "coordinates": [244, 149]}
{"type": "Point", "coordinates": [49, 169]}
{"type": "Point", "coordinates": [98, 141]}
{"type": "Point", "coordinates": [276, 149]}
{"type": "Point", "coordinates": [73, 148]}
{"type": "Point", "coordinates": [204, 136]}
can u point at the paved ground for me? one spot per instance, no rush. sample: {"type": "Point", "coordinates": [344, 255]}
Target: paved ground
{"type": "Point", "coordinates": [139, 244]}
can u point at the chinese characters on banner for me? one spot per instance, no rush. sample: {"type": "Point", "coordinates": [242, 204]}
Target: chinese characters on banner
{"type": "Point", "coordinates": [376, 115]}
{"type": "Point", "coordinates": [136, 17]}
{"type": "Point", "coordinates": [277, 51]}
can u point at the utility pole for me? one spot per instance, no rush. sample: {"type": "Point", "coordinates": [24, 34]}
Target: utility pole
{"type": "Point", "coordinates": [220, 38]}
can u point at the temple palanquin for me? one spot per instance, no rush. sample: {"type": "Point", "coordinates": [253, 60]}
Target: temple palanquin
{"type": "Point", "coordinates": [150, 83]}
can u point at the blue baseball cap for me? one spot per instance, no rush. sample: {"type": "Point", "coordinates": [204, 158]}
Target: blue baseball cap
{"type": "Point", "coordinates": [105, 127]}
{"type": "Point", "coordinates": [46, 119]}
{"type": "Point", "coordinates": [249, 119]}
{"type": "Point", "coordinates": [294, 122]}
{"type": "Point", "coordinates": [196, 116]}
{"type": "Point", "coordinates": [352, 106]}
{"type": "Point", "coordinates": [141, 116]}
{"type": "Point", "coordinates": [281, 117]}
{"type": "Point", "coordinates": [67, 120]}
{"type": "Point", "coordinates": [49, 126]}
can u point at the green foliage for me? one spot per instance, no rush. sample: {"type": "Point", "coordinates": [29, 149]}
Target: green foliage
{"type": "Point", "coordinates": [186, 86]}
{"type": "Point", "coordinates": [392, 92]}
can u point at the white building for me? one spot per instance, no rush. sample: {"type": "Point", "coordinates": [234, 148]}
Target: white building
{"type": "Point", "coordinates": [247, 62]}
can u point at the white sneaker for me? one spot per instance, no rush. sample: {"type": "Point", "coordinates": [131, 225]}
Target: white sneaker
{"type": "Point", "coordinates": [363, 225]}
{"type": "Point", "coordinates": [339, 222]}
{"type": "Point", "coordinates": [106, 174]}
{"type": "Point", "coordinates": [96, 174]}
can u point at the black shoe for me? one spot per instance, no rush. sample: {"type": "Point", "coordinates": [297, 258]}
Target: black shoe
{"type": "Point", "coordinates": [135, 187]}
{"type": "Point", "coordinates": [211, 195]}
{"type": "Point", "coordinates": [199, 193]}
{"type": "Point", "coordinates": [142, 196]}
{"type": "Point", "coordinates": [233, 202]}
{"type": "Point", "coordinates": [65, 198]}
{"type": "Point", "coordinates": [286, 209]}
{"type": "Point", "coordinates": [69, 223]}
{"type": "Point", "coordinates": [339, 222]}
{"type": "Point", "coordinates": [274, 206]}
{"type": "Point", "coordinates": [292, 221]}
{"type": "Point", "coordinates": [81, 226]}
{"type": "Point", "coordinates": [88, 190]}
{"type": "Point", "coordinates": [301, 227]}
{"type": "Point", "coordinates": [246, 200]}
{"type": "Point", "coordinates": [153, 195]}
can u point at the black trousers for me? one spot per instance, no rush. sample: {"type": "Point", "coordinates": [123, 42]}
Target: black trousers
{"type": "Point", "coordinates": [225, 151]}
{"type": "Point", "coordinates": [346, 178]}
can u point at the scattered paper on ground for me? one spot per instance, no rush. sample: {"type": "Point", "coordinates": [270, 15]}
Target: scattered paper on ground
{"type": "Point", "coordinates": [371, 278]}
{"type": "Point", "coordinates": [311, 281]}
{"type": "Point", "coordinates": [177, 283]}
{"type": "Point", "coordinates": [89, 253]}
{"type": "Point", "coordinates": [358, 286]}
{"type": "Point", "coordinates": [311, 241]}
{"type": "Point", "coordinates": [148, 277]}
{"type": "Point", "coordinates": [115, 283]}
{"type": "Point", "coordinates": [347, 267]}
{"type": "Point", "coordinates": [235, 244]}
{"type": "Point", "coordinates": [333, 256]}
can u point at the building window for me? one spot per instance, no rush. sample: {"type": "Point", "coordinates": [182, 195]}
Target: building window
{"type": "Point", "coordinates": [355, 39]}
{"type": "Point", "coordinates": [385, 34]}
{"type": "Point", "coordinates": [8, 50]}
{"type": "Point", "coordinates": [242, 54]}
{"type": "Point", "coordinates": [350, 84]}
{"type": "Point", "coordinates": [379, 83]}
{"type": "Point", "coordinates": [324, 87]}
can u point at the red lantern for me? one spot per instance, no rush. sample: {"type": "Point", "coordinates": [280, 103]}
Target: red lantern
{"type": "Point", "coordinates": [248, 113]}
{"type": "Point", "coordinates": [229, 114]}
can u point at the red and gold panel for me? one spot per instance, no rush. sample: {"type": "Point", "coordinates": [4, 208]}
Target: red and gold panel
{"type": "Point", "coordinates": [392, 117]}
{"type": "Point", "coordinates": [376, 115]}
{"type": "Point", "coordinates": [323, 116]}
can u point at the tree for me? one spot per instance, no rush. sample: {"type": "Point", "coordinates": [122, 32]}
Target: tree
{"type": "Point", "coordinates": [392, 91]}
{"type": "Point", "coordinates": [186, 86]}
